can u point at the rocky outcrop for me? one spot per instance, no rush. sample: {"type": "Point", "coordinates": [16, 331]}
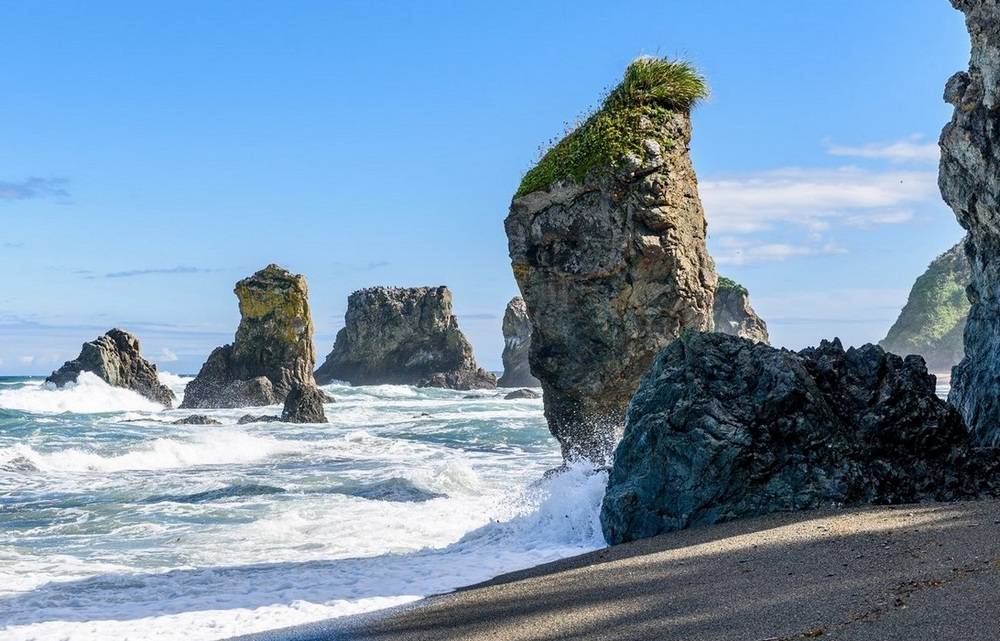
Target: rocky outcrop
{"type": "Point", "coordinates": [273, 349]}
{"type": "Point", "coordinates": [403, 336]}
{"type": "Point", "coordinates": [116, 359]}
{"type": "Point", "coordinates": [722, 428]}
{"type": "Point", "coordinates": [970, 183]}
{"type": "Point", "coordinates": [607, 242]}
{"type": "Point", "coordinates": [733, 315]}
{"type": "Point", "coordinates": [197, 419]}
{"type": "Point", "coordinates": [933, 321]}
{"type": "Point", "coordinates": [522, 394]}
{"type": "Point", "coordinates": [516, 346]}
{"type": "Point", "coordinates": [304, 404]}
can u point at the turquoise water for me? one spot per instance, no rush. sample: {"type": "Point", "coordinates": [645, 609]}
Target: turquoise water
{"type": "Point", "coordinates": [116, 524]}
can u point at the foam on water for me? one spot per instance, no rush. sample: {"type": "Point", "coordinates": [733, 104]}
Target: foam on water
{"type": "Point", "coordinates": [125, 526]}
{"type": "Point", "coordinates": [88, 395]}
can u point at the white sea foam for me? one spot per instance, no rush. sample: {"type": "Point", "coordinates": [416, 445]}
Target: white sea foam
{"type": "Point", "coordinates": [89, 394]}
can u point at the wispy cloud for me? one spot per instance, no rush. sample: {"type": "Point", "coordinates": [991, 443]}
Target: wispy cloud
{"type": "Point", "coordinates": [12, 245]}
{"type": "Point", "coordinates": [909, 150]}
{"type": "Point", "coordinates": [167, 355]}
{"type": "Point", "coordinates": [812, 198]}
{"type": "Point", "coordinates": [346, 268]}
{"type": "Point", "coordinates": [739, 252]}
{"type": "Point", "coordinates": [34, 187]}
{"type": "Point", "coordinates": [150, 272]}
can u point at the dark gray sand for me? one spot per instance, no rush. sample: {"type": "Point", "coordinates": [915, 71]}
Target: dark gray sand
{"type": "Point", "coordinates": [927, 572]}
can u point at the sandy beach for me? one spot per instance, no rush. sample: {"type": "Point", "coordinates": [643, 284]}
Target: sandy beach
{"type": "Point", "coordinates": [926, 572]}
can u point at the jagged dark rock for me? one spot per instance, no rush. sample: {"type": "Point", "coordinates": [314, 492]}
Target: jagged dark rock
{"type": "Point", "coordinates": [516, 346]}
{"type": "Point", "coordinates": [403, 336]}
{"type": "Point", "coordinates": [522, 393]}
{"type": "Point", "coordinates": [722, 428]}
{"type": "Point", "coordinates": [733, 314]}
{"type": "Point", "coordinates": [304, 404]}
{"type": "Point", "coordinates": [969, 178]}
{"type": "Point", "coordinates": [263, 418]}
{"type": "Point", "coordinates": [933, 321]}
{"type": "Point", "coordinates": [609, 254]}
{"type": "Point", "coordinates": [116, 359]}
{"type": "Point", "coordinates": [273, 349]}
{"type": "Point", "coordinates": [197, 419]}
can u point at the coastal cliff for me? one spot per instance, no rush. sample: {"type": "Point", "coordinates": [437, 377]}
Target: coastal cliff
{"type": "Point", "coordinates": [273, 349]}
{"type": "Point", "coordinates": [932, 323]}
{"type": "Point", "coordinates": [606, 236]}
{"type": "Point", "coordinates": [969, 179]}
{"type": "Point", "coordinates": [403, 336]}
{"type": "Point", "coordinates": [733, 315]}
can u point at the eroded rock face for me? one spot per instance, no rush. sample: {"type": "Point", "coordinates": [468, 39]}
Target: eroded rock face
{"type": "Point", "coordinates": [304, 404]}
{"type": "Point", "coordinates": [273, 349]}
{"type": "Point", "coordinates": [516, 346]}
{"type": "Point", "coordinates": [933, 321]}
{"type": "Point", "coordinates": [611, 269]}
{"type": "Point", "coordinates": [403, 336]}
{"type": "Point", "coordinates": [970, 183]}
{"type": "Point", "coordinates": [116, 359]}
{"type": "Point", "coordinates": [722, 428]}
{"type": "Point", "coordinates": [733, 314]}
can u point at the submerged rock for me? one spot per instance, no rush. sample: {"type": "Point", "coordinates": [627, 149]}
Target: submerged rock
{"type": "Point", "coordinates": [522, 393]}
{"type": "Point", "coordinates": [516, 346]}
{"type": "Point", "coordinates": [933, 321]}
{"type": "Point", "coordinates": [262, 418]}
{"type": "Point", "coordinates": [116, 359]}
{"type": "Point", "coordinates": [722, 428]}
{"type": "Point", "coordinates": [607, 242]}
{"type": "Point", "coordinates": [403, 336]}
{"type": "Point", "coordinates": [970, 183]}
{"type": "Point", "coordinates": [304, 404]}
{"type": "Point", "coordinates": [273, 349]}
{"type": "Point", "coordinates": [197, 419]}
{"type": "Point", "coordinates": [733, 315]}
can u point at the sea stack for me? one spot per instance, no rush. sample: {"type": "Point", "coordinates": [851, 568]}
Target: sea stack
{"type": "Point", "coordinates": [733, 314]}
{"type": "Point", "coordinates": [606, 236]}
{"type": "Point", "coordinates": [116, 359]}
{"type": "Point", "coordinates": [273, 349]}
{"type": "Point", "coordinates": [403, 336]}
{"type": "Point", "coordinates": [516, 346]}
{"type": "Point", "coordinates": [932, 323]}
{"type": "Point", "coordinates": [723, 428]}
{"type": "Point", "coordinates": [970, 183]}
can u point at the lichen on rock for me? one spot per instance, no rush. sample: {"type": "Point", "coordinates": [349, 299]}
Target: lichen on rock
{"type": "Point", "coordinates": [932, 323]}
{"type": "Point", "coordinates": [403, 336]}
{"type": "Point", "coordinates": [607, 243]}
{"type": "Point", "coordinates": [273, 349]}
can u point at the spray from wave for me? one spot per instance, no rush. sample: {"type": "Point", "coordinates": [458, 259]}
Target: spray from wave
{"type": "Point", "coordinates": [88, 395]}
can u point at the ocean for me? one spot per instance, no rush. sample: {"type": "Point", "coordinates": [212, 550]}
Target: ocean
{"type": "Point", "coordinates": [117, 524]}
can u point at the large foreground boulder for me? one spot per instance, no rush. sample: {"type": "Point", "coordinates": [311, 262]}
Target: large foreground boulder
{"type": "Point", "coordinates": [722, 428]}
{"type": "Point", "coordinates": [607, 242]}
{"type": "Point", "coordinates": [932, 323]}
{"type": "Point", "coordinates": [733, 314]}
{"type": "Point", "coordinates": [116, 359]}
{"type": "Point", "coordinates": [403, 336]}
{"type": "Point", "coordinates": [273, 349]}
{"type": "Point", "coordinates": [516, 346]}
{"type": "Point", "coordinates": [970, 183]}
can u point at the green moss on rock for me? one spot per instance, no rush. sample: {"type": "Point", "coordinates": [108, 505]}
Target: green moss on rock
{"type": "Point", "coordinates": [651, 89]}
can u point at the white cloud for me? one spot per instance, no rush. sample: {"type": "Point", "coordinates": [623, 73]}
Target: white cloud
{"type": "Point", "coordinates": [813, 198]}
{"type": "Point", "coordinates": [167, 355]}
{"type": "Point", "coordinates": [880, 218]}
{"type": "Point", "coordinates": [26, 360]}
{"type": "Point", "coordinates": [900, 151]}
{"type": "Point", "coordinates": [737, 252]}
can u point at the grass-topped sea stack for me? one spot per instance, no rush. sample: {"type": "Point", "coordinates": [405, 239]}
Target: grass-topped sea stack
{"type": "Point", "coordinates": [607, 241]}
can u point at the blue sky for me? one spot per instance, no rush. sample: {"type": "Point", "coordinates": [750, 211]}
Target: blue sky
{"type": "Point", "coordinates": [155, 153]}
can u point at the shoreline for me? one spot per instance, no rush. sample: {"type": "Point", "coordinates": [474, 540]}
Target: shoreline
{"type": "Point", "coordinates": [915, 572]}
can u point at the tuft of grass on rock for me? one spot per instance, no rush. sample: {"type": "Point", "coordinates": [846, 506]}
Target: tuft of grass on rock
{"type": "Point", "coordinates": [729, 283]}
{"type": "Point", "coordinates": [651, 88]}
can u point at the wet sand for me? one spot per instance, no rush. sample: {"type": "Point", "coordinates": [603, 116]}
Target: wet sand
{"type": "Point", "coordinates": [927, 572]}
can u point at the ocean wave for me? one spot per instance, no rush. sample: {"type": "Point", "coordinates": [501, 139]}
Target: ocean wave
{"type": "Point", "coordinates": [205, 447]}
{"type": "Point", "coordinates": [89, 395]}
